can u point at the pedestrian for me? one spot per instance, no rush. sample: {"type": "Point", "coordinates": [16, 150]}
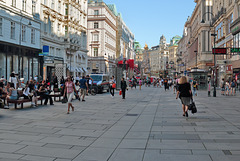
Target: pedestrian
{"type": "Point", "coordinates": [184, 93]}
{"type": "Point", "coordinates": [12, 95]}
{"type": "Point", "coordinates": [69, 90]}
{"type": "Point", "coordinates": [140, 84]}
{"type": "Point", "coordinates": [83, 87]}
{"type": "Point", "coordinates": [194, 87]}
{"type": "Point", "coordinates": [123, 88]}
{"type": "Point", "coordinates": [89, 82]}
{"type": "Point", "coordinates": [222, 86]}
{"type": "Point", "coordinates": [227, 88]}
{"type": "Point", "coordinates": [45, 93]}
{"type": "Point", "coordinates": [13, 80]}
{"type": "Point", "coordinates": [166, 84]}
{"type": "Point", "coordinates": [233, 87]}
{"type": "Point", "coordinates": [111, 86]}
{"type": "Point", "coordinates": [174, 85]}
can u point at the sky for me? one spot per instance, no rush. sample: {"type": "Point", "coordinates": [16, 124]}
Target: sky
{"type": "Point", "coordinates": [149, 19]}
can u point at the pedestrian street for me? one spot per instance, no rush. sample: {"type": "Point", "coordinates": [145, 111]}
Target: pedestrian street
{"type": "Point", "coordinates": [147, 126]}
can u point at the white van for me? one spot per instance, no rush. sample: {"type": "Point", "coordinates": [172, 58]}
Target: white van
{"type": "Point", "coordinates": [101, 81]}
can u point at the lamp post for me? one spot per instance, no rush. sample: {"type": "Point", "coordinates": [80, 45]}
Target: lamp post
{"type": "Point", "coordinates": [214, 72]}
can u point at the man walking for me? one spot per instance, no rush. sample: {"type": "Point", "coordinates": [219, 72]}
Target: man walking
{"type": "Point", "coordinates": [123, 88]}
{"type": "Point", "coordinates": [83, 87]}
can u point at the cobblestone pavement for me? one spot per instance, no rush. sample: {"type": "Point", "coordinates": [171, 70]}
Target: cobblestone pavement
{"type": "Point", "coordinates": [147, 126]}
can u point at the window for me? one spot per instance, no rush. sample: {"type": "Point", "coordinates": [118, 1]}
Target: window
{"type": "Point", "coordinates": [1, 24]}
{"type": "Point", "coordinates": [66, 31]}
{"type": "Point", "coordinates": [52, 26]}
{"type": "Point", "coordinates": [95, 52]}
{"type": "Point", "coordinates": [24, 5]}
{"type": "Point", "coordinates": [96, 25]}
{"type": "Point", "coordinates": [23, 33]}
{"type": "Point", "coordinates": [45, 25]}
{"type": "Point", "coordinates": [66, 9]}
{"type": "Point", "coordinates": [33, 36]}
{"type": "Point", "coordinates": [14, 3]}
{"type": "Point", "coordinates": [33, 7]}
{"type": "Point", "coordinates": [95, 37]}
{"type": "Point", "coordinates": [45, 2]}
{"type": "Point", "coordinates": [12, 30]}
{"type": "Point", "coordinates": [59, 6]}
{"type": "Point", "coordinates": [58, 29]}
{"type": "Point", "coordinates": [96, 12]}
{"type": "Point", "coordinates": [53, 4]}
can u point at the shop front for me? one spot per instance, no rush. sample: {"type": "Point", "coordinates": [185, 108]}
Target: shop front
{"type": "Point", "coordinates": [24, 61]}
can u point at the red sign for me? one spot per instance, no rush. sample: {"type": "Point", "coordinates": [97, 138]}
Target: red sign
{"type": "Point", "coordinates": [219, 51]}
{"type": "Point", "coordinates": [210, 64]}
{"type": "Point", "coordinates": [229, 68]}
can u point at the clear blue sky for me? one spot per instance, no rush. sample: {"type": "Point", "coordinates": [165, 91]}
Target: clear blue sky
{"type": "Point", "coordinates": [149, 19]}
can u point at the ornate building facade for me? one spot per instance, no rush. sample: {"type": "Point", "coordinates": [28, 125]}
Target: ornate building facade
{"type": "Point", "coordinates": [64, 27]}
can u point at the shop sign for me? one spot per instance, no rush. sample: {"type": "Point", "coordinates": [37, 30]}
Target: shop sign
{"type": "Point", "coordinates": [210, 64]}
{"type": "Point", "coordinates": [235, 50]}
{"type": "Point", "coordinates": [48, 60]}
{"type": "Point", "coordinates": [221, 62]}
{"type": "Point", "coordinates": [219, 51]}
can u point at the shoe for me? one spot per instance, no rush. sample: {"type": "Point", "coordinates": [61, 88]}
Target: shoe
{"type": "Point", "coordinates": [83, 100]}
{"type": "Point", "coordinates": [72, 108]}
{"type": "Point", "coordinates": [68, 112]}
{"type": "Point", "coordinates": [186, 114]}
{"type": "Point", "coordinates": [79, 99]}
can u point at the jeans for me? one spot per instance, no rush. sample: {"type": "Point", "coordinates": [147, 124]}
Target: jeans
{"type": "Point", "coordinates": [112, 91]}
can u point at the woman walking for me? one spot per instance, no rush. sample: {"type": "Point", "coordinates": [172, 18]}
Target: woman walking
{"type": "Point", "coordinates": [227, 86]}
{"type": "Point", "coordinates": [69, 89]}
{"type": "Point", "coordinates": [140, 84]}
{"type": "Point", "coordinates": [184, 92]}
{"type": "Point", "coordinates": [112, 85]}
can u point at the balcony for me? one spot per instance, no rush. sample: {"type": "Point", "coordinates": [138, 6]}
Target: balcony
{"type": "Point", "coordinates": [219, 14]}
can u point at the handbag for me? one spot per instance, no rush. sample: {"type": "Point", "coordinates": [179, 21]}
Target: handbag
{"type": "Point", "coordinates": [192, 107]}
{"type": "Point", "coordinates": [120, 92]}
{"type": "Point", "coordinates": [64, 100]}
{"type": "Point", "coordinates": [114, 85]}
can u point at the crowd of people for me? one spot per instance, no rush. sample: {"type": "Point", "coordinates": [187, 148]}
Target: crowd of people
{"type": "Point", "coordinates": [228, 87]}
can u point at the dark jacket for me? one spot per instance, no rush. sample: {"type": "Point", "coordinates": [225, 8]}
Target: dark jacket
{"type": "Point", "coordinates": [123, 85]}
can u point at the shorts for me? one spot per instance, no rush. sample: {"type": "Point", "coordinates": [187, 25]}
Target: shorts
{"type": "Point", "coordinates": [83, 92]}
{"type": "Point", "coordinates": [223, 89]}
{"type": "Point", "coordinates": [69, 97]}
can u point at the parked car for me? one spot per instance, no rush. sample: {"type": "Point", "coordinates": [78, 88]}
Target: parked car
{"type": "Point", "coordinates": [101, 81]}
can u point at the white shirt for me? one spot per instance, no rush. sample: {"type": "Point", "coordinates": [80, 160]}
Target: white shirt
{"type": "Point", "coordinates": [14, 81]}
{"type": "Point", "coordinates": [26, 91]}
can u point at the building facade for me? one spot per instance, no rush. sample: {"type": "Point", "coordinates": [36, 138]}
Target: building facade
{"type": "Point", "coordinates": [19, 39]}
{"type": "Point", "coordinates": [64, 27]}
{"type": "Point", "coordinates": [102, 32]}
{"type": "Point", "coordinates": [172, 57]}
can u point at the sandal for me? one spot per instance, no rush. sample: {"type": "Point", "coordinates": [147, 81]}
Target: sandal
{"type": "Point", "coordinates": [72, 108]}
{"type": "Point", "coordinates": [68, 112]}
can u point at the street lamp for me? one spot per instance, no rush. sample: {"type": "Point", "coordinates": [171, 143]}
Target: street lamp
{"type": "Point", "coordinates": [214, 73]}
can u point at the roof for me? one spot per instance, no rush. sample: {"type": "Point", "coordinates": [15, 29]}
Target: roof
{"type": "Point", "coordinates": [113, 8]}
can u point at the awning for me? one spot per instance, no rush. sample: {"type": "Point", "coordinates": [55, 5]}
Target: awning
{"type": "Point", "coordinates": [80, 70]}
{"type": "Point", "coordinates": [85, 69]}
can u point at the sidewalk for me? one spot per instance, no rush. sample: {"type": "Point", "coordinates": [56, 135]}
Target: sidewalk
{"type": "Point", "coordinates": [147, 126]}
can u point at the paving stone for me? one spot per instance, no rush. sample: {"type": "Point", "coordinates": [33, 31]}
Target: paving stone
{"type": "Point", "coordinates": [127, 154]}
{"type": "Point", "coordinates": [10, 148]}
{"type": "Point", "coordinates": [94, 154]}
{"type": "Point", "coordinates": [106, 143]}
{"type": "Point", "coordinates": [49, 152]}
{"type": "Point", "coordinates": [37, 158]}
{"type": "Point", "coordinates": [172, 157]}
{"type": "Point", "coordinates": [10, 156]}
{"type": "Point", "coordinates": [133, 143]}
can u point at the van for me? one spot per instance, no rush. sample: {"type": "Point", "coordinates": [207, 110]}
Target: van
{"type": "Point", "coordinates": [101, 81]}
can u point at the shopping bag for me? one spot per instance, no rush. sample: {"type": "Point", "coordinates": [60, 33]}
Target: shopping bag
{"type": "Point", "coordinates": [120, 92]}
{"type": "Point", "coordinates": [114, 85]}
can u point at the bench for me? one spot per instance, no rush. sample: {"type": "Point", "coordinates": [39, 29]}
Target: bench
{"type": "Point", "coordinates": [57, 93]}
{"type": "Point", "coordinates": [21, 101]}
